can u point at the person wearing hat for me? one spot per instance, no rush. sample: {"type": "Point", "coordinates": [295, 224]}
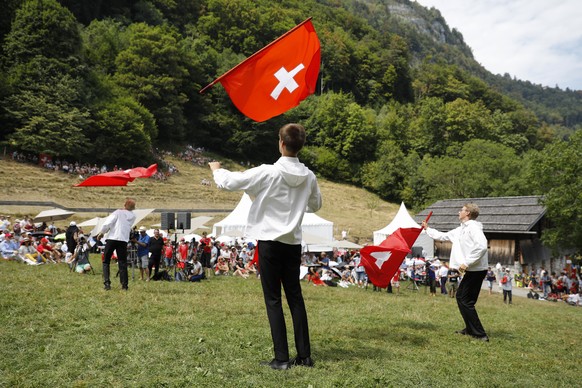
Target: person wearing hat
{"type": "Point", "coordinates": [9, 247]}
{"type": "Point", "coordinates": [28, 254]}
{"type": "Point", "coordinates": [143, 243]}
{"type": "Point", "coordinates": [506, 286]}
{"type": "Point", "coordinates": [46, 250]}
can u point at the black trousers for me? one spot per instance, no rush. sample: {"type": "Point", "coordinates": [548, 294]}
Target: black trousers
{"type": "Point", "coordinates": [154, 262]}
{"type": "Point", "coordinates": [506, 293]}
{"type": "Point", "coordinates": [120, 247]}
{"type": "Point", "coordinates": [279, 265]}
{"type": "Point", "coordinates": [467, 296]}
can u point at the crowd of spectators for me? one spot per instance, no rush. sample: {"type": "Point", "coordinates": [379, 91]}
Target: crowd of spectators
{"type": "Point", "coordinates": [33, 243]}
{"type": "Point", "coordinates": [84, 169]}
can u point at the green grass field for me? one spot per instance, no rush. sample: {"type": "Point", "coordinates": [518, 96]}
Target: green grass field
{"type": "Point", "coordinates": [61, 329]}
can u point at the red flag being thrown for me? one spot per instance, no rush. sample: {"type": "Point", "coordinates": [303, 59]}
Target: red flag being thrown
{"type": "Point", "coordinates": [277, 77]}
{"type": "Point", "coordinates": [382, 261]}
{"type": "Point", "coordinates": [120, 177]}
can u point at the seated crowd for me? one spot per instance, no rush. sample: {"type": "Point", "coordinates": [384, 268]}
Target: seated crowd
{"type": "Point", "coordinates": [32, 244]}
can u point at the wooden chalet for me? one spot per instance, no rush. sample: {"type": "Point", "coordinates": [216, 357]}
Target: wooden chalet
{"type": "Point", "coordinates": [513, 227]}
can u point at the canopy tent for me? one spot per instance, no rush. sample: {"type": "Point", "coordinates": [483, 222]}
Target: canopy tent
{"type": "Point", "coordinates": [401, 220]}
{"type": "Point", "coordinates": [53, 215]}
{"type": "Point", "coordinates": [91, 222]}
{"type": "Point", "coordinates": [314, 225]}
{"type": "Point", "coordinates": [345, 244]}
{"type": "Point", "coordinates": [236, 221]}
{"type": "Point", "coordinates": [235, 224]}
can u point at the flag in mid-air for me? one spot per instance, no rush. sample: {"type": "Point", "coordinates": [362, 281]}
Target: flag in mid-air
{"type": "Point", "coordinates": [120, 177]}
{"type": "Point", "coordinates": [277, 77]}
{"type": "Point", "coordinates": [382, 261]}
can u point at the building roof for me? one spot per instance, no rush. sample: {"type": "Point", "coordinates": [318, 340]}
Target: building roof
{"type": "Point", "coordinates": [511, 215]}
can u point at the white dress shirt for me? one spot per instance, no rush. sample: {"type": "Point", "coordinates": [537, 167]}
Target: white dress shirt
{"type": "Point", "coordinates": [469, 245]}
{"type": "Point", "coordinates": [118, 224]}
{"type": "Point", "coordinates": [282, 193]}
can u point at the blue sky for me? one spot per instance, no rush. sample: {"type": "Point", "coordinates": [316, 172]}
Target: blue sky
{"type": "Point", "coordinates": [534, 40]}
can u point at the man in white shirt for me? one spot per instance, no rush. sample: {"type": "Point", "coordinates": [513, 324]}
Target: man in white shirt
{"type": "Point", "coordinates": [118, 224]}
{"type": "Point", "coordinates": [283, 192]}
{"type": "Point", "coordinates": [469, 256]}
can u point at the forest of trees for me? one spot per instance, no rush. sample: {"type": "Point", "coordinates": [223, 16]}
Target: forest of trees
{"type": "Point", "coordinates": [402, 109]}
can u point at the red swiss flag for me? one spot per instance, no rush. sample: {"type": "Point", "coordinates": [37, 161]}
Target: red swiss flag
{"type": "Point", "coordinates": [120, 177]}
{"type": "Point", "coordinates": [276, 78]}
{"type": "Point", "coordinates": [382, 261]}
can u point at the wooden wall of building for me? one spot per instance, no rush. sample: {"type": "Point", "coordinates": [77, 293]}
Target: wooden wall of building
{"type": "Point", "coordinates": [500, 251]}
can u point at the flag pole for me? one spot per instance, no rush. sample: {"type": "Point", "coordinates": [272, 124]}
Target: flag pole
{"type": "Point", "coordinates": [254, 55]}
{"type": "Point", "coordinates": [427, 218]}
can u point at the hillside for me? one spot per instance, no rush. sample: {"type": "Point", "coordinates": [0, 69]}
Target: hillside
{"type": "Point", "coordinates": [350, 208]}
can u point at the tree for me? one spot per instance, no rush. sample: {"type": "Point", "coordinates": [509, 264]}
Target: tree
{"type": "Point", "coordinates": [153, 71]}
{"type": "Point", "coordinates": [46, 109]}
{"type": "Point", "coordinates": [557, 173]}
{"type": "Point", "coordinates": [124, 131]}
{"type": "Point", "coordinates": [43, 28]}
{"type": "Point", "coordinates": [482, 169]}
{"type": "Point", "coordinates": [385, 175]}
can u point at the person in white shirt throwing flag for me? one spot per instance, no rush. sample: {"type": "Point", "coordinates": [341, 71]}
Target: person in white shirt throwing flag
{"type": "Point", "coordinates": [469, 256]}
{"type": "Point", "coordinates": [283, 192]}
{"type": "Point", "coordinates": [118, 224]}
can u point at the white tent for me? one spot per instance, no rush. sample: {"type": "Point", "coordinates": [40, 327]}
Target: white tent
{"type": "Point", "coordinates": [236, 222]}
{"type": "Point", "coordinates": [315, 226]}
{"type": "Point", "coordinates": [53, 215]}
{"type": "Point", "coordinates": [401, 220]}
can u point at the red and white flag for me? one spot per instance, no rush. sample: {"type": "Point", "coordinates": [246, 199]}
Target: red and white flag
{"type": "Point", "coordinates": [120, 177]}
{"type": "Point", "coordinates": [382, 261]}
{"type": "Point", "coordinates": [277, 77]}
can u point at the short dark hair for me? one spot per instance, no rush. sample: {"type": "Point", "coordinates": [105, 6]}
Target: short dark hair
{"type": "Point", "coordinates": [293, 135]}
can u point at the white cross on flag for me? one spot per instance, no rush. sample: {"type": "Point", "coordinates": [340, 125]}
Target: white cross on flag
{"type": "Point", "coordinates": [277, 77]}
{"type": "Point", "coordinates": [382, 261]}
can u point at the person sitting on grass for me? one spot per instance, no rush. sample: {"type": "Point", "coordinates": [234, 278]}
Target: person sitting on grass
{"type": "Point", "coordinates": [348, 276]}
{"type": "Point", "coordinates": [81, 255]}
{"type": "Point", "coordinates": [46, 250]}
{"type": "Point", "coordinates": [196, 273]}
{"type": "Point", "coordinates": [239, 269]}
{"type": "Point", "coordinates": [9, 247]}
{"type": "Point", "coordinates": [28, 254]}
{"type": "Point", "coordinates": [251, 268]}
{"type": "Point", "coordinates": [221, 267]}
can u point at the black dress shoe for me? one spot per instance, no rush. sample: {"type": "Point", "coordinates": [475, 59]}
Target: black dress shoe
{"type": "Point", "coordinates": [483, 338]}
{"type": "Point", "coordinates": [107, 288]}
{"type": "Point", "coordinates": [298, 361]}
{"type": "Point", "coordinates": [278, 365]}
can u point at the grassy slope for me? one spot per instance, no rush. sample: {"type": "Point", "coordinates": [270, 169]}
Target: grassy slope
{"type": "Point", "coordinates": [350, 208]}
